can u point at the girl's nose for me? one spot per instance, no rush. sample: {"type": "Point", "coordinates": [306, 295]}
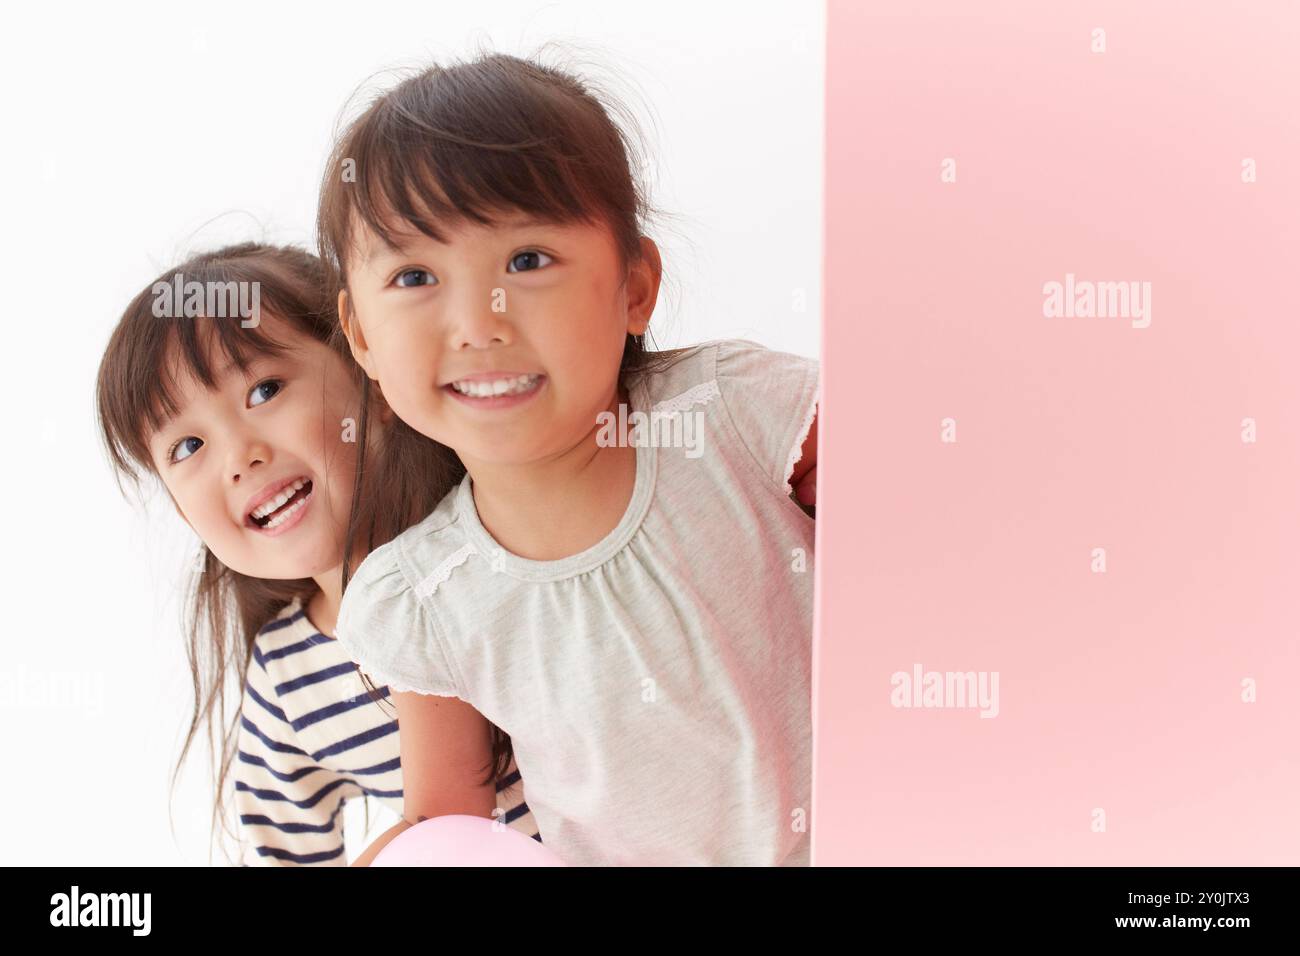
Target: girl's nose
{"type": "Point", "coordinates": [245, 458]}
{"type": "Point", "coordinates": [483, 320]}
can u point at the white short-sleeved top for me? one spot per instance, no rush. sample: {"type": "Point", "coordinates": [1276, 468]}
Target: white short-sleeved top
{"type": "Point", "coordinates": [656, 686]}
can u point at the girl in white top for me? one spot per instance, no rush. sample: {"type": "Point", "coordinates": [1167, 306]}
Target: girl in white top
{"type": "Point", "coordinates": [246, 427]}
{"type": "Point", "coordinates": [621, 581]}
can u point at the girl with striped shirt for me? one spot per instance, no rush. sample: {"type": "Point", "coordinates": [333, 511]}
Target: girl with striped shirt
{"type": "Point", "coordinates": [250, 425]}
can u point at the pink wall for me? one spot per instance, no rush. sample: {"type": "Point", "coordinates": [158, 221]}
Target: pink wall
{"type": "Point", "coordinates": [1119, 690]}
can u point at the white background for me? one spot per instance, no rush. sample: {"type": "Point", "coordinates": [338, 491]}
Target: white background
{"type": "Point", "coordinates": [137, 135]}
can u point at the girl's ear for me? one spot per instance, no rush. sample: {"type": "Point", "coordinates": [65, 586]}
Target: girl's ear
{"type": "Point", "coordinates": [352, 332]}
{"type": "Point", "coordinates": [643, 287]}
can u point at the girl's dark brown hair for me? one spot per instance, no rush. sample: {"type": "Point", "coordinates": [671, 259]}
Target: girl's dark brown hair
{"type": "Point", "coordinates": [470, 142]}
{"type": "Point", "coordinates": [136, 391]}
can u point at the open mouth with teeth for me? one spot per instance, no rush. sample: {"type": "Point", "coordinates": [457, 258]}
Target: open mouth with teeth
{"type": "Point", "coordinates": [492, 389]}
{"type": "Point", "coordinates": [275, 512]}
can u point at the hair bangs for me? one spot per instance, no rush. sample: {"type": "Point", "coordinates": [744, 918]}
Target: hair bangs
{"type": "Point", "coordinates": [439, 152]}
{"type": "Point", "coordinates": [201, 348]}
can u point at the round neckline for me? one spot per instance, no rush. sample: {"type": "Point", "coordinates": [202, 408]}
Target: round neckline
{"type": "Point", "coordinates": [528, 569]}
{"type": "Point", "coordinates": [298, 604]}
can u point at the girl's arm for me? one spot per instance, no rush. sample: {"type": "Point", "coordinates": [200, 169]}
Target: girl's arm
{"type": "Point", "coordinates": [446, 747]}
{"type": "Point", "coordinates": [804, 477]}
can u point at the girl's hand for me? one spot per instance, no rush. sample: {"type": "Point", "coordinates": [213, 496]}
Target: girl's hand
{"type": "Point", "coordinates": [804, 477]}
{"type": "Point", "coordinates": [806, 490]}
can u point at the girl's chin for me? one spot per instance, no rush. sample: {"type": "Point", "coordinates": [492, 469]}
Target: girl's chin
{"type": "Point", "coordinates": [280, 571]}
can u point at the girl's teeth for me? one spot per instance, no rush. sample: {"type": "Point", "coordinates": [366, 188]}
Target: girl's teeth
{"type": "Point", "coordinates": [505, 386]}
{"type": "Point", "coordinates": [285, 514]}
{"type": "Point", "coordinates": [261, 511]}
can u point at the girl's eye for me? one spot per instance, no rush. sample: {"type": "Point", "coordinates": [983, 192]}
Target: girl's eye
{"type": "Point", "coordinates": [528, 256]}
{"type": "Point", "coordinates": [415, 275]}
{"type": "Point", "coordinates": [260, 394]}
{"type": "Point", "coordinates": [265, 390]}
{"type": "Point", "coordinates": [184, 445]}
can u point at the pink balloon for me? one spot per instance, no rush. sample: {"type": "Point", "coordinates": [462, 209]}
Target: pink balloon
{"type": "Point", "coordinates": [459, 839]}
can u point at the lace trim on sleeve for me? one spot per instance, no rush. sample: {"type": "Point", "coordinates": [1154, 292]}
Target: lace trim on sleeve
{"type": "Point", "coordinates": [697, 395]}
{"type": "Point", "coordinates": [797, 451]}
{"type": "Point", "coordinates": [443, 571]}
{"type": "Point", "coordinates": [384, 678]}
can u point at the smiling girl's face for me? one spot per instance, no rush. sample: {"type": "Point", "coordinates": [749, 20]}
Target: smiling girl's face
{"type": "Point", "coordinates": [535, 312]}
{"type": "Point", "coordinates": [270, 436]}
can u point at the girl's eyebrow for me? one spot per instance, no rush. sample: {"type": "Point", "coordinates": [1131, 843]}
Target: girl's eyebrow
{"type": "Point", "coordinates": [229, 368]}
{"type": "Point", "coordinates": [382, 246]}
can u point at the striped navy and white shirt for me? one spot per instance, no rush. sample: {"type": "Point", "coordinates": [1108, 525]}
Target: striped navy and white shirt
{"type": "Point", "coordinates": [311, 738]}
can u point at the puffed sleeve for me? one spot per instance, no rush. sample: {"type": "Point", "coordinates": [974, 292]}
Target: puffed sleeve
{"type": "Point", "coordinates": [389, 633]}
{"type": "Point", "coordinates": [771, 398]}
